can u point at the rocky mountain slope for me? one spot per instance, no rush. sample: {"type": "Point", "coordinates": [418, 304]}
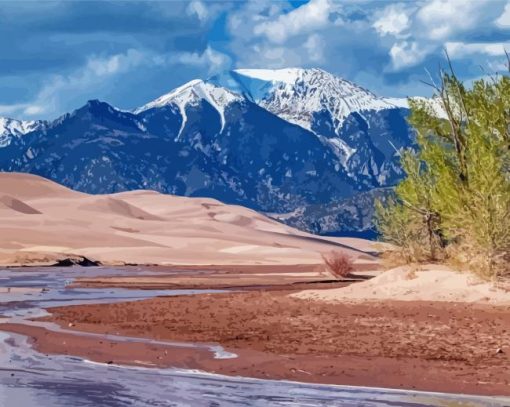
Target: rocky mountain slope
{"type": "Point", "coordinates": [347, 217]}
{"type": "Point", "coordinates": [362, 130]}
{"type": "Point", "coordinates": [11, 129]}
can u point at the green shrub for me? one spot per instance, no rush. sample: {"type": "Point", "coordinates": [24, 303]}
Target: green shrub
{"type": "Point", "coordinates": [455, 199]}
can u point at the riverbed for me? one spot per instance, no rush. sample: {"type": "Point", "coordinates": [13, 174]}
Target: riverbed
{"type": "Point", "coordinates": [29, 378]}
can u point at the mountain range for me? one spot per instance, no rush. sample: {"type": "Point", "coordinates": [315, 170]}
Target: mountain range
{"type": "Point", "coordinates": [301, 144]}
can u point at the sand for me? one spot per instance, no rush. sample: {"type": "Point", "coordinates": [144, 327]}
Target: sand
{"type": "Point", "coordinates": [451, 347]}
{"type": "Point", "coordinates": [41, 222]}
{"type": "Point", "coordinates": [448, 329]}
{"type": "Point", "coordinates": [420, 283]}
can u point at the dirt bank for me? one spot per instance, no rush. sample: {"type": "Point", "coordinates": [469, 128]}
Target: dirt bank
{"type": "Point", "coordinates": [449, 347]}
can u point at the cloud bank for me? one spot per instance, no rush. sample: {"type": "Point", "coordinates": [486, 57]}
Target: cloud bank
{"type": "Point", "coordinates": [56, 55]}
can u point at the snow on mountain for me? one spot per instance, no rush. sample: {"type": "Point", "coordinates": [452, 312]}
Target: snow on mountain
{"type": "Point", "coordinates": [10, 128]}
{"type": "Point", "coordinates": [311, 98]}
{"type": "Point", "coordinates": [398, 102]}
{"type": "Point", "coordinates": [191, 94]}
{"type": "Point", "coordinates": [295, 94]}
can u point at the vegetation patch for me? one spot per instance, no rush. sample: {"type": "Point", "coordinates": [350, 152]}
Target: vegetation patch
{"type": "Point", "coordinates": [454, 204]}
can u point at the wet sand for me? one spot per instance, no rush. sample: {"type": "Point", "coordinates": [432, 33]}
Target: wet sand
{"type": "Point", "coordinates": [274, 277]}
{"type": "Point", "coordinates": [220, 281]}
{"type": "Point", "coordinates": [448, 347]}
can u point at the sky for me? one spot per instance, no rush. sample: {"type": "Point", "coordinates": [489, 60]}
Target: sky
{"type": "Point", "coordinates": [56, 55]}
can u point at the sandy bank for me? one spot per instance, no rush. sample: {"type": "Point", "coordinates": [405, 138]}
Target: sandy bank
{"type": "Point", "coordinates": [426, 283]}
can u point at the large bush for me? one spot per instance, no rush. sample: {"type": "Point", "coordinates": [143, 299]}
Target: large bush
{"type": "Point", "coordinates": [455, 200]}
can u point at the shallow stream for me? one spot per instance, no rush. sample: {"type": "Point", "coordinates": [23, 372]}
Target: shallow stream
{"type": "Point", "coordinates": [31, 379]}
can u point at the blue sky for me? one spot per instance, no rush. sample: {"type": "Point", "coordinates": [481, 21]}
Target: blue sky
{"type": "Point", "coordinates": [56, 55]}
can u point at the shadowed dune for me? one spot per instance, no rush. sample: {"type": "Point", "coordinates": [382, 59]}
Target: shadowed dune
{"type": "Point", "coordinates": [118, 207]}
{"type": "Point", "coordinates": [16, 205]}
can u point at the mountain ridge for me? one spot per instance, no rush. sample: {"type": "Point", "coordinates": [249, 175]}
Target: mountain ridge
{"type": "Point", "coordinates": [203, 139]}
{"type": "Point", "coordinates": [11, 128]}
{"type": "Point", "coordinates": [279, 90]}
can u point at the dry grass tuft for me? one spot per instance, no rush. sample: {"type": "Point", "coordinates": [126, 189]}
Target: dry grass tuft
{"type": "Point", "coordinates": [339, 264]}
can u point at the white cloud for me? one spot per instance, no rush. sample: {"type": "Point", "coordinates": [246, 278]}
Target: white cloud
{"type": "Point", "coordinates": [504, 19]}
{"type": "Point", "coordinates": [8, 110]}
{"type": "Point", "coordinates": [384, 44]}
{"type": "Point", "coordinates": [96, 69]}
{"type": "Point", "coordinates": [269, 34]}
{"type": "Point", "coordinates": [434, 24]}
{"type": "Point", "coordinates": [393, 20]}
{"type": "Point", "coordinates": [407, 53]}
{"type": "Point", "coordinates": [98, 72]}
{"type": "Point", "coordinates": [198, 9]}
{"type": "Point", "coordinates": [270, 56]}
{"type": "Point", "coordinates": [315, 47]}
{"type": "Point", "coordinates": [34, 110]}
{"type": "Point", "coordinates": [460, 49]}
{"type": "Point", "coordinates": [441, 19]}
{"type": "Point", "coordinates": [213, 60]}
{"type": "Point", "coordinates": [90, 76]}
{"type": "Point", "coordinates": [302, 20]}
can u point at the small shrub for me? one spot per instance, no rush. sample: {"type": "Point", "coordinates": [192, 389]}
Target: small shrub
{"type": "Point", "coordinates": [339, 264]}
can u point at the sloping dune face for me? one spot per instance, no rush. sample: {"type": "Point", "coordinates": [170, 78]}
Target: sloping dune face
{"type": "Point", "coordinates": [16, 205]}
{"type": "Point", "coordinates": [118, 207]}
{"type": "Point", "coordinates": [146, 227]}
{"type": "Point", "coordinates": [27, 186]}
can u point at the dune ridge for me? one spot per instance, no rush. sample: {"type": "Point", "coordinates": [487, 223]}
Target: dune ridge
{"type": "Point", "coordinates": [147, 227]}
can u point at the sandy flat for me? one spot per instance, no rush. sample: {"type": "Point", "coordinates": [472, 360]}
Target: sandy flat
{"type": "Point", "coordinates": [41, 221]}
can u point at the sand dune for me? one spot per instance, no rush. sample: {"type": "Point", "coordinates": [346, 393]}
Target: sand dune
{"type": "Point", "coordinates": [431, 282]}
{"type": "Point", "coordinates": [118, 207]}
{"type": "Point", "coordinates": [146, 227]}
{"type": "Point", "coordinates": [16, 205]}
{"type": "Point", "coordinates": [27, 186]}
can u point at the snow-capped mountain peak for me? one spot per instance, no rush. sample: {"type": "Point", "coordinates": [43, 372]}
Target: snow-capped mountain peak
{"type": "Point", "coordinates": [192, 93]}
{"type": "Point", "coordinates": [313, 99]}
{"type": "Point", "coordinates": [297, 94]}
{"type": "Point", "coordinates": [10, 128]}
